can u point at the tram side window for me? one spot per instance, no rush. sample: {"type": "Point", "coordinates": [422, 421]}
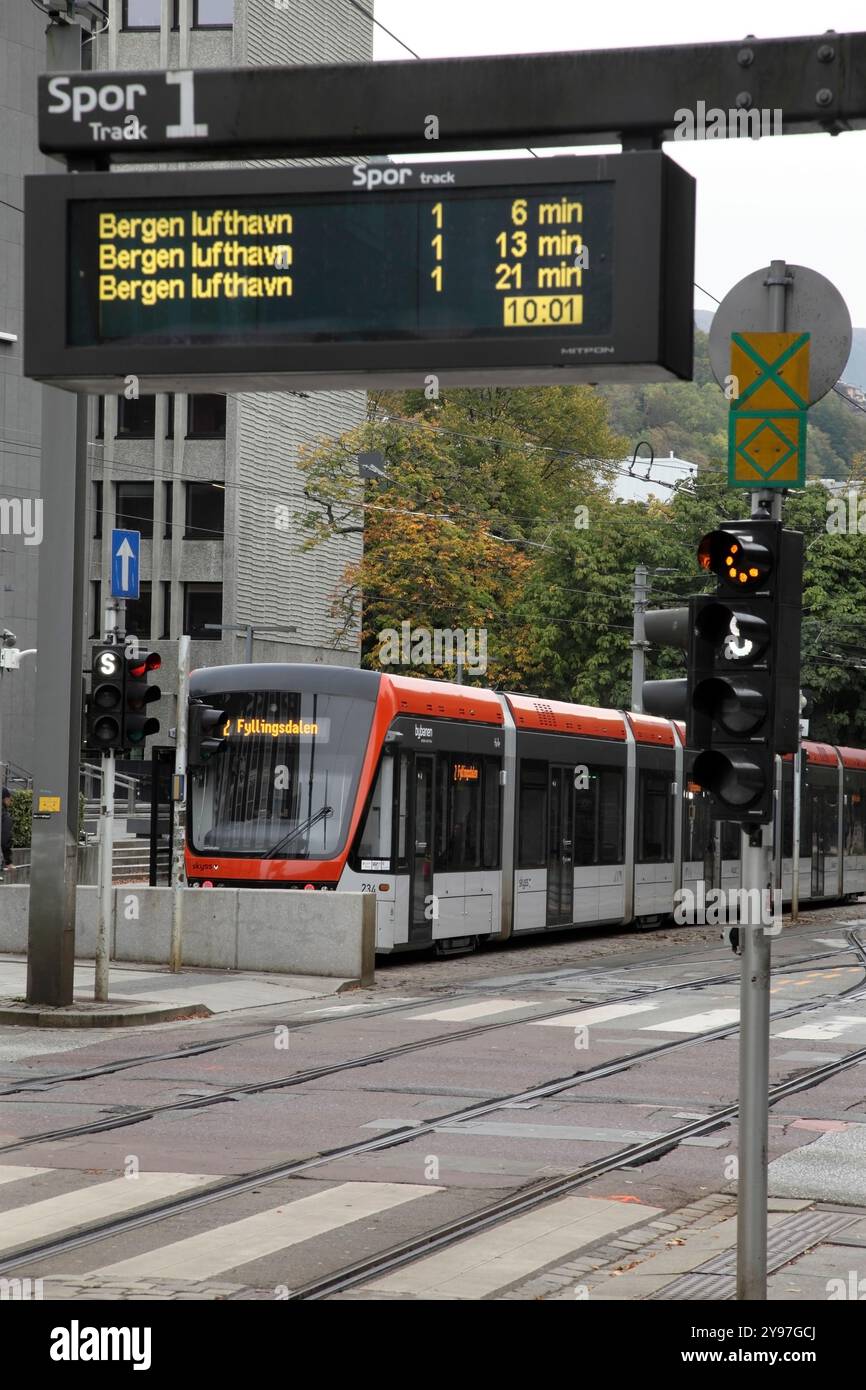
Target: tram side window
{"type": "Point", "coordinates": [611, 821]}
{"type": "Point", "coordinates": [697, 827]}
{"type": "Point", "coordinates": [787, 817]}
{"type": "Point", "coordinates": [403, 809]}
{"type": "Point", "coordinates": [730, 838]}
{"type": "Point", "coordinates": [855, 817]}
{"type": "Point", "coordinates": [375, 838]}
{"type": "Point", "coordinates": [492, 802]}
{"type": "Point", "coordinates": [585, 809]}
{"type": "Point", "coordinates": [532, 816]}
{"type": "Point", "coordinates": [463, 840]}
{"type": "Point", "coordinates": [831, 821]}
{"type": "Point", "coordinates": [654, 831]}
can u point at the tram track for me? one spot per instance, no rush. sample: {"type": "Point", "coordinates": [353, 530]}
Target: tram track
{"type": "Point", "coordinates": [520, 1203]}
{"type": "Point", "coordinates": [38, 1084]}
{"type": "Point", "coordinates": [308, 1074]}
{"type": "Point", "coordinates": [227, 1188]}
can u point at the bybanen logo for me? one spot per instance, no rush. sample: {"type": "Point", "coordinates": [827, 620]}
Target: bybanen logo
{"type": "Point", "coordinates": [77, 1343]}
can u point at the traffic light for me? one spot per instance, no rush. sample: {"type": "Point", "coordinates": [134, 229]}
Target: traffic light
{"type": "Point", "coordinates": [666, 627]}
{"type": "Point", "coordinates": [205, 733]}
{"type": "Point", "coordinates": [137, 726]}
{"type": "Point", "coordinates": [743, 701]}
{"type": "Point", "coordinates": [104, 728]}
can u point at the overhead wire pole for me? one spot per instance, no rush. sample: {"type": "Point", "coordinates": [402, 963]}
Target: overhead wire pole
{"type": "Point", "coordinates": [756, 849]}
{"type": "Point", "coordinates": [63, 484]}
{"type": "Point", "coordinates": [639, 642]}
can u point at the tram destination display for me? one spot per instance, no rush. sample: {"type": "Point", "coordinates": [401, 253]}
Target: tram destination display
{"type": "Point", "coordinates": [514, 272]}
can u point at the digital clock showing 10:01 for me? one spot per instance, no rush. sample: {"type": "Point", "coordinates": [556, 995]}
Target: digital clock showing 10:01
{"type": "Point", "coordinates": [408, 265]}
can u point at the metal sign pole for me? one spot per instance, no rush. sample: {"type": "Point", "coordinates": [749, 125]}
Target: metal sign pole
{"type": "Point", "coordinates": [757, 881]}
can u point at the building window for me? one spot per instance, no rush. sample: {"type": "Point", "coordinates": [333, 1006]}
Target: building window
{"type": "Point", "coordinates": [100, 417]}
{"type": "Point", "coordinates": [169, 417]}
{"type": "Point", "coordinates": [97, 511]}
{"type": "Point", "coordinates": [166, 609]}
{"type": "Point", "coordinates": [168, 495]}
{"type": "Point", "coordinates": [137, 621]}
{"type": "Point", "coordinates": [136, 419]}
{"type": "Point", "coordinates": [206, 417]}
{"type": "Point", "coordinates": [141, 14]}
{"type": "Point", "coordinates": [96, 609]}
{"type": "Point", "coordinates": [205, 508]}
{"type": "Point", "coordinates": [134, 508]}
{"type": "Point", "coordinates": [213, 14]}
{"type": "Point", "coordinates": [202, 603]}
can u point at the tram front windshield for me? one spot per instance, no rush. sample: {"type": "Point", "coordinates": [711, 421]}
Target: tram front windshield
{"type": "Point", "coordinates": [284, 779]}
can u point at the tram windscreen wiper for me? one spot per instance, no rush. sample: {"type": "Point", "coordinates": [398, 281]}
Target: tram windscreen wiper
{"type": "Point", "coordinates": [299, 830]}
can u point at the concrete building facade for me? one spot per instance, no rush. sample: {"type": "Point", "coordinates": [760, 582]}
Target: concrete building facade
{"type": "Point", "coordinates": [211, 482]}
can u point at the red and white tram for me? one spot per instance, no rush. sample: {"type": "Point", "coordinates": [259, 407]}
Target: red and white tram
{"type": "Point", "coordinates": [473, 814]}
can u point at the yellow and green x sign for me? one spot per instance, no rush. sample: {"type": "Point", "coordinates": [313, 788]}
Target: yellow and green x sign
{"type": "Point", "coordinates": [767, 422]}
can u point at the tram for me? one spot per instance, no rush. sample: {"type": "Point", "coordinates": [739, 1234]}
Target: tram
{"type": "Point", "coordinates": [474, 814]}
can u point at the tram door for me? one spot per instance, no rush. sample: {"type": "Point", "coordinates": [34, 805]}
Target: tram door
{"type": "Point", "coordinates": [560, 847]}
{"type": "Point", "coordinates": [421, 923]}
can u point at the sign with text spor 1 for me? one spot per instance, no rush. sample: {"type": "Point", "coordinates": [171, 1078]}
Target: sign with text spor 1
{"type": "Point", "coordinates": [769, 413]}
{"type": "Point", "coordinates": [511, 272]}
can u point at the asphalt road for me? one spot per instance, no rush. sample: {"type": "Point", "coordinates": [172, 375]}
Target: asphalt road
{"type": "Point", "coordinates": [465, 1034]}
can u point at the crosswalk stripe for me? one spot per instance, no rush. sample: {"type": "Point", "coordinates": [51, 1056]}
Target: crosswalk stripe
{"type": "Point", "coordinates": [695, 1023]}
{"type": "Point", "coordinates": [101, 1199]}
{"type": "Point", "coordinates": [480, 1009]}
{"type": "Point", "coordinates": [605, 1013]}
{"type": "Point", "coordinates": [477, 1267]}
{"type": "Point", "coordinates": [830, 1028]}
{"type": "Point", "coordinates": [211, 1252]}
{"type": "Point", "coordinates": [11, 1174]}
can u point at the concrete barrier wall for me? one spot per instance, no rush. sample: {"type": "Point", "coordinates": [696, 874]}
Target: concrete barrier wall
{"type": "Point", "coordinates": [264, 929]}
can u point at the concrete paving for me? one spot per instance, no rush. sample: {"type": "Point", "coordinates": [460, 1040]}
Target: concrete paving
{"type": "Point", "coordinates": [142, 994]}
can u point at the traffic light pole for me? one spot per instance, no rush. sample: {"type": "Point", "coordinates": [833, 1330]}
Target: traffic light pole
{"type": "Point", "coordinates": [757, 860]}
{"type": "Point", "coordinates": [756, 850]}
{"type": "Point", "coordinates": [106, 845]}
{"type": "Point", "coordinates": [179, 795]}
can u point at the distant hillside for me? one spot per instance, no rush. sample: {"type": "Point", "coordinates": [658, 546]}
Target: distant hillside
{"type": "Point", "coordinates": [854, 373]}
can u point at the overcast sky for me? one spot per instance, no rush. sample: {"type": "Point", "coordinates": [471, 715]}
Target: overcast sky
{"type": "Point", "coordinates": [802, 198]}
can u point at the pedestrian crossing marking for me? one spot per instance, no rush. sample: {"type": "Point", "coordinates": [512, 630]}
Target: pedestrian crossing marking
{"type": "Point", "coordinates": [13, 1174]}
{"type": "Point", "coordinates": [239, 1242]}
{"type": "Point", "coordinates": [829, 1028]}
{"type": "Point", "coordinates": [97, 1200]}
{"type": "Point", "coordinates": [604, 1013]}
{"type": "Point", "coordinates": [695, 1023]}
{"type": "Point", "coordinates": [480, 1009]}
{"type": "Point", "coordinates": [480, 1266]}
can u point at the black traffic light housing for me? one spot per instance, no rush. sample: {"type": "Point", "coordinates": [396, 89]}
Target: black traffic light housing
{"type": "Point", "coordinates": [744, 665]}
{"type": "Point", "coordinates": [667, 627]}
{"type": "Point", "coordinates": [105, 703]}
{"type": "Point", "coordinates": [204, 739]}
{"type": "Point", "coordinates": [138, 695]}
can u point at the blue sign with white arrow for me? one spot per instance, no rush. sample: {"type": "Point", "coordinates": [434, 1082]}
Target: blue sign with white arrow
{"type": "Point", "coordinates": [125, 556]}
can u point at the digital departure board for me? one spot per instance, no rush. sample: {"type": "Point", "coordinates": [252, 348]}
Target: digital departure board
{"type": "Point", "coordinates": [506, 272]}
